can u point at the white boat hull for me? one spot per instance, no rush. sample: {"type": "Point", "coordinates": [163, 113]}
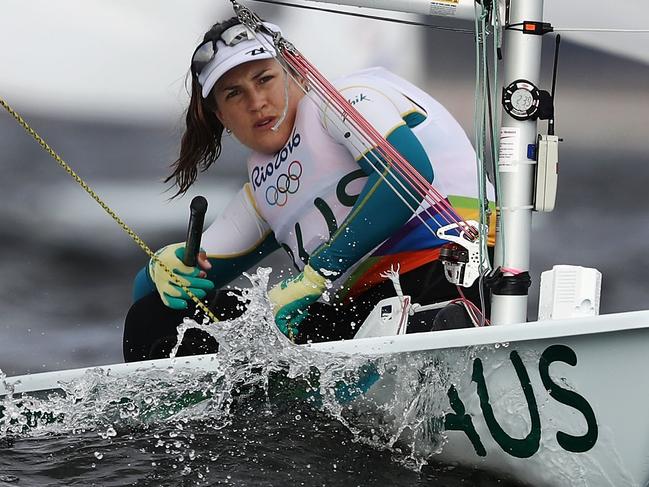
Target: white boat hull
{"type": "Point", "coordinates": [550, 403]}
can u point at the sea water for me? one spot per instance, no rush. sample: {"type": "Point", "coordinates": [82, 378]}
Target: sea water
{"type": "Point", "coordinates": [267, 413]}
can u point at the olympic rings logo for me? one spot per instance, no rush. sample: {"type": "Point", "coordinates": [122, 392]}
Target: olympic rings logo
{"type": "Point", "coordinates": [288, 183]}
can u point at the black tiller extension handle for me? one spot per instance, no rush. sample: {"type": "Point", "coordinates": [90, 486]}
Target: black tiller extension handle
{"type": "Point", "coordinates": [197, 210]}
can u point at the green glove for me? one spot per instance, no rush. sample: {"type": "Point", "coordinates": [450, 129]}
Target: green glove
{"type": "Point", "coordinates": [172, 294]}
{"type": "Point", "coordinates": [291, 299]}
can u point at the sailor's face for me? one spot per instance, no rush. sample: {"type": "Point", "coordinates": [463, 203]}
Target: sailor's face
{"type": "Point", "coordinates": [250, 99]}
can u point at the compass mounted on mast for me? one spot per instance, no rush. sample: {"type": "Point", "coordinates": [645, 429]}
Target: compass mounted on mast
{"type": "Point", "coordinates": [521, 99]}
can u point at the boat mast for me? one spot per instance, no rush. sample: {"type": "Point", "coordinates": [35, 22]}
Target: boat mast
{"type": "Point", "coordinates": [522, 58]}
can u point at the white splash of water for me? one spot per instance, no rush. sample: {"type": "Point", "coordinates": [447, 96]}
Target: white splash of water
{"type": "Point", "coordinates": [387, 402]}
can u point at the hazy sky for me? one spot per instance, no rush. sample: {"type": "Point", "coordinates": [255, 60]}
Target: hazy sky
{"type": "Point", "coordinates": [128, 58]}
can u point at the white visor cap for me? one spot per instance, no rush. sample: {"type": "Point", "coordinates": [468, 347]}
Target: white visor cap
{"type": "Point", "coordinates": [228, 57]}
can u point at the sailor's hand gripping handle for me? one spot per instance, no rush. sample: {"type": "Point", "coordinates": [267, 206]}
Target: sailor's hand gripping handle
{"type": "Point", "coordinates": [181, 260]}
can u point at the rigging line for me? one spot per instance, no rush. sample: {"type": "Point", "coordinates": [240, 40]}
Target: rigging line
{"type": "Point", "coordinates": [375, 136]}
{"type": "Point", "coordinates": [593, 29]}
{"type": "Point", "coordinates": [496, 115]}
{"type": "Point", "coordinates": [476, 311]}
{"type": "Point", "coordinates": [481, 117]}
{"type": "Point", "coordinates": [486, 212]}
{"type": "Point", "coordinates": [581, 29]}
{"type": "Point", "coordinates": [484, 203]}
{"type": "Point", "coordinates": [135, 237]}
{"type": "Point", "coordinates": [490, 111]}
{"type": "Point", "coordinates": [435, 206]}
{"type": "Point", "coordinates": [403, 199]}
{"type": "Point", "coordinates": [424, 192]}
{"type": "Point", "coordinates": [366, 16]}
{"type": "Point", "coordinates": [301, 65]}
{"type": "Point", "coordinates": [385, 166]}
{"type": "Point", "coordinates": [479, 107]}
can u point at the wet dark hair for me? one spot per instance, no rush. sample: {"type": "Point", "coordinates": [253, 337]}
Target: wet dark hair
{"type": "Point", "coordinates": [200, 145]}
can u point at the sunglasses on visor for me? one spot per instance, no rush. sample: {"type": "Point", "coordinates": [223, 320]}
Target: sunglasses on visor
{"type": "Point", "coordinates": [206, 51]}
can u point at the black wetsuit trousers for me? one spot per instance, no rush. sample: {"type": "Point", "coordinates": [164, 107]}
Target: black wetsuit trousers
{"type": "Point", "coordinates": [150, 327]}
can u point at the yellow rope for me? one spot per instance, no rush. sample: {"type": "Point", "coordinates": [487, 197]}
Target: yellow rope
{"type": "Point", "coordinates": [106, 208]}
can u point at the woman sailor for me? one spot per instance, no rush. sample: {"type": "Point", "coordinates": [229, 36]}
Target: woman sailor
{"type": "Point", "coordinates": [313, 189]}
